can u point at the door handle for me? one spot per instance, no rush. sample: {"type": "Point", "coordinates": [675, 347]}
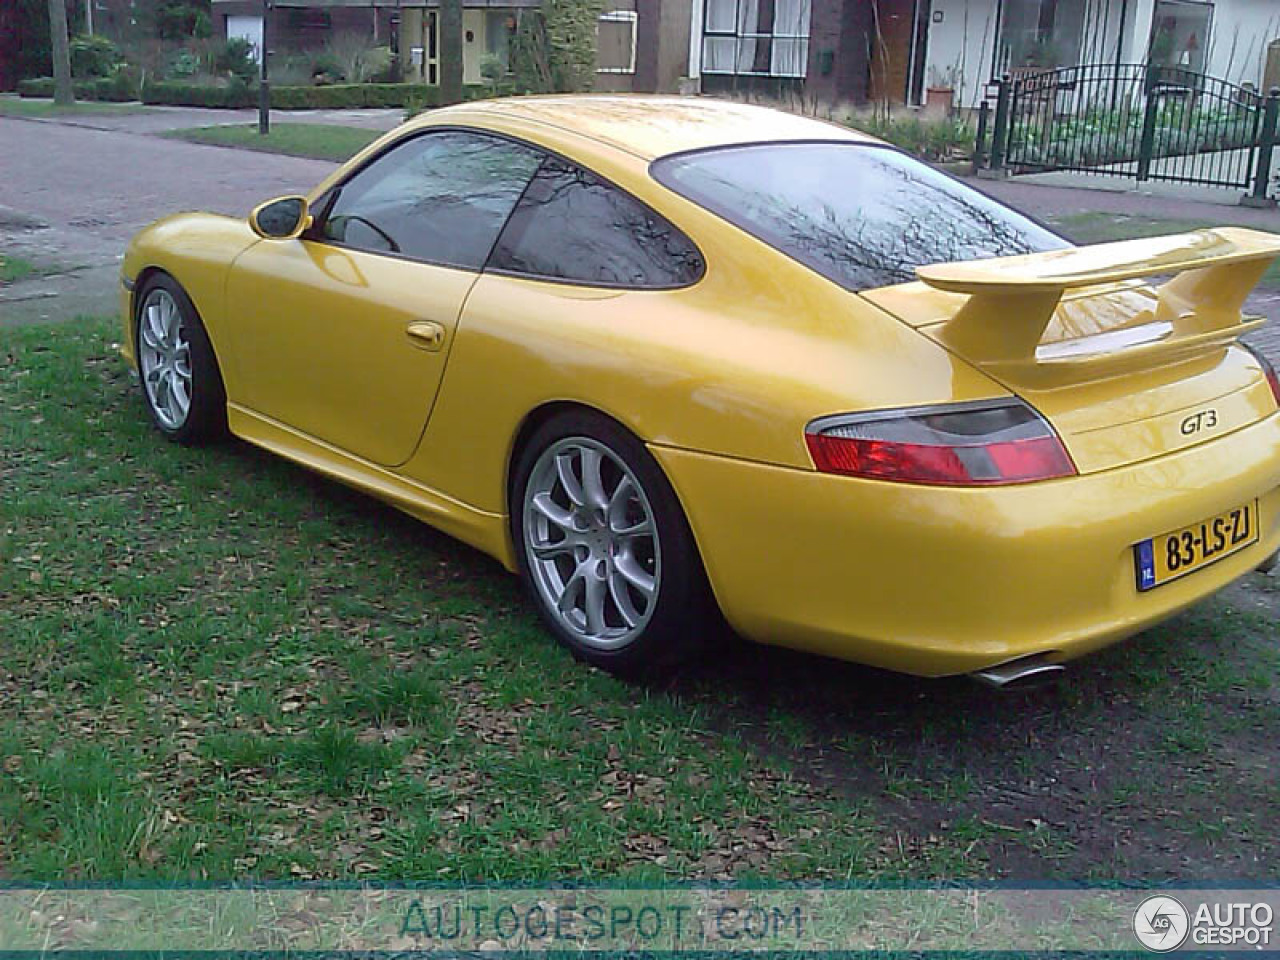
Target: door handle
{"type": "Point", "coordinates": [426, 334]}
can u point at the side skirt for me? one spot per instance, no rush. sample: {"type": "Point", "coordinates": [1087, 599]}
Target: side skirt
{"type": "Point", "coordinates": [485, 531]}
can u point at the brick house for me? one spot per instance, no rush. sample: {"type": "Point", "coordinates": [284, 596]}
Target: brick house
{"type": "Point", "coordinates": [629, 44]}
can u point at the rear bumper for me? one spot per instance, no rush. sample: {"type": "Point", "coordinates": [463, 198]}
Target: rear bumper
{"type": "Point", "coordinates": [939, 581]}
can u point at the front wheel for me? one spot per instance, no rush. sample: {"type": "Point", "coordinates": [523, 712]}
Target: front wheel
{"type": "Point", "coordinates": [605, 549]}
{"type": "Point", "coordinates": [181, 384]}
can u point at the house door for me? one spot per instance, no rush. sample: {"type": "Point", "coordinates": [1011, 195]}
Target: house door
{"type": "Point", "coordinates": [893, 32]}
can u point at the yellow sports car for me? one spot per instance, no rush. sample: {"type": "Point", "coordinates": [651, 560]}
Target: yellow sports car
{"type": "Point", "coordinates": [671, 357]}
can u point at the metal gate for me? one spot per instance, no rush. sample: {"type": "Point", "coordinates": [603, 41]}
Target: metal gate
{"type": "Point", "coordinates": [1131, 120]}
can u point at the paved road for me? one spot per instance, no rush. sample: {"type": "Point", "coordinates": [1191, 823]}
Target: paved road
{"type": "Point", "coordinates": [72, 196]}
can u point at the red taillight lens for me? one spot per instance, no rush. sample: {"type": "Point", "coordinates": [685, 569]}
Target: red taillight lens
{"type": "Point", "coordinates": [962, 445]}
{"type": "Point", "coordinates": [1272, 378]}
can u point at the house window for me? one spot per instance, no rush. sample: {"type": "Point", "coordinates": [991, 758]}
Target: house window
{"type": "Point", "coordinates": [499, 25]}
{"type": "Point", "coordinates": [767, 38]}
{"type": "Point", "coordinates": [616, 47]}
{"type": "Point", "coordinates": [1180, 34]}
{"type": "Point", "coordinates": [1044, 34]}
{"type": "Point", "coordinates": [310, 18]}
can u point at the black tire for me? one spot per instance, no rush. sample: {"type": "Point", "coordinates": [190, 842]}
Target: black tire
{"type": "Point", "coordinates": [206, 417]}
{"type": "Point", "coordinates": [684, 618]}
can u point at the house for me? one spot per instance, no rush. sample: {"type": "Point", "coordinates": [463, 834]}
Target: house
{"type": "Point", "coordinates": [830, 50]}
{"type": "Point", "coordinates": [643, 44]}
{"type": "Point", "coordinates": [971, 42]}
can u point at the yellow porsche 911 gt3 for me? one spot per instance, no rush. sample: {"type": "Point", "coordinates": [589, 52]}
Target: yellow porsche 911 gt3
{"type": "Point", "coordinates": [671, 357]}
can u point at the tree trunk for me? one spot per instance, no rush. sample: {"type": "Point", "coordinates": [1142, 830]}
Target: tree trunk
{"type": "Point", "coordinates": [63, 94]}
{"type": "Point", "coordinates": [450, 51]}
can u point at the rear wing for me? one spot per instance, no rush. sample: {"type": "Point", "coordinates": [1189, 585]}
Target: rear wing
{"type": "Point", "coordinates": [1013, 299]}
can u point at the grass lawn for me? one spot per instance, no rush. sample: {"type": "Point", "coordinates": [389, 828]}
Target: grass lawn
{"type": "Point", "coordinates": [320, 141]}
{"type": "Point", "coordinates": [1097, 227]}
{"type": "Point", "coordinates": [15, 268]}
{"type": "Point", "coordinates": [215, 664]}
{"type": "Point", "coordinates": [23, 107]}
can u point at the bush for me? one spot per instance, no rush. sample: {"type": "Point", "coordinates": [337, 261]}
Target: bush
{"type": "Point", "coordinates": [121, 88]}
{"type": "Point", "coordinates": [181, 20]}
{"type": "Point", "coordinates": [199, 95]}
{"type": "Point", "coordinates": [930, 138]}
{"type": "Point", "coordinates": [183, 65]}
{"type": "Point", "coordinates": [238, 94]}
{"type": "Point", "coordinates": [94, 56]}
{"type": "Point", "coordinates": [349, 57]}
{"type": "Point", "coordinates": [235, 57]}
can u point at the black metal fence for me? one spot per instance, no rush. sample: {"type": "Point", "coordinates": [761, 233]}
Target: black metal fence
{"type": "Point", "coordinates": [1131, 120]}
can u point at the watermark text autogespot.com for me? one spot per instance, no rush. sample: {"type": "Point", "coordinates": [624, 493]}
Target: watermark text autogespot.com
{"type": "Point", "coordinates": [778, 920]}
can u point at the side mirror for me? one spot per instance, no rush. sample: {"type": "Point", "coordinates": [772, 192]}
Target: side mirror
{"type": "Point", "coordinates": [281, 219]}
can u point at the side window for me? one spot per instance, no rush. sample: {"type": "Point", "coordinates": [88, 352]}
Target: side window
{"type": "Point", "coordinates": [441, 197]}
{"type": "Point", "coordinates": [573, 226]}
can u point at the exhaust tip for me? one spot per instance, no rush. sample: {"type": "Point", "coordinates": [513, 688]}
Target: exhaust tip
{"type": "Point", "coordinates": [1025, 673]}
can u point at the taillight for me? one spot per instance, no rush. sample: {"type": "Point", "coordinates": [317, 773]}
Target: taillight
{"type": "Point", "coordinates": [1268, 370]}
{"type": "Point", "coordinates": [971, 444]}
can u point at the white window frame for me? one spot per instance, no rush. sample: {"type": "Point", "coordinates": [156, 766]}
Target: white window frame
{"type": "Point", "coordinates": [622, 16]}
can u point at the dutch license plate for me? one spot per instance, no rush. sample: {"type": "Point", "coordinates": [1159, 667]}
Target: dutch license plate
{"type": "Point", "coordinates": [1173, 555]}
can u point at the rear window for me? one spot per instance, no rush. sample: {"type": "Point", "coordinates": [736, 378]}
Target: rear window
{"type": "Point", "coordinates": [861, 215]}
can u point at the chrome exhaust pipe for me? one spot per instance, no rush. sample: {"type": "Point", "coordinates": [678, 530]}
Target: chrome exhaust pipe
{"type": "Point", "coordinates": [1024, 673]}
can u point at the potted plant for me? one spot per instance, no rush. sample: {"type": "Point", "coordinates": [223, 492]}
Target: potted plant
{"type": "Point", "coordinates": [940, 94]}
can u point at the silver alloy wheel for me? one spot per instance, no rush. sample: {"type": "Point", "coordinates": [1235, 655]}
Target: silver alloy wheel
{"type": "Point", "coordinates": [591, 543]}
{"type": "Point", "coordinates": [164, 356]}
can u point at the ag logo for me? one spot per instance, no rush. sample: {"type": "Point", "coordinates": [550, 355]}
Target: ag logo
{"type": "Point", "coordinates": [1161, 923]}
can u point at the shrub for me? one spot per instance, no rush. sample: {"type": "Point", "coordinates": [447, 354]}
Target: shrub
{"type": "Point", "coordinates": [181, 20]}
{"type": "Point", "coordinates": [199, 95]}
{"type": "Point", "coordinates": [94, 56]}
{"type": "Point", "coordinates": [235, 57]}
{"type": "Point", "coordinates": [554, 47]}
{"type": "Point", "coordinates": [183, 65]}
{"type": "Point", "coordinates": [236, 94]}
{"type": "Point", "coordinates": [930, 138]}
{"type": "Point", "coordinates": [348, 56]}
{"type": "Point", "coordinates": [120, 88]}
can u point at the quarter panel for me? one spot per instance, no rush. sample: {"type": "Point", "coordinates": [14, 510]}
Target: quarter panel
{"type": "Point", "coordinates": [735, 365]}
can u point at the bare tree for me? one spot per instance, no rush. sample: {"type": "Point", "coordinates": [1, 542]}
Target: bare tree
{"type": "Point", "coordinates": [63, 94]}
{"type": "Point", "coordinates": [450, 51]}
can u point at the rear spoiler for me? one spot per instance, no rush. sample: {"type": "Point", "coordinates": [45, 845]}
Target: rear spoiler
{"type": "Point", "coordinates": [1013, 299]}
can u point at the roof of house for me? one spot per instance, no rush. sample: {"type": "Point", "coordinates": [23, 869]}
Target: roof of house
{"type": "Point", "coordinates": [651, 127]}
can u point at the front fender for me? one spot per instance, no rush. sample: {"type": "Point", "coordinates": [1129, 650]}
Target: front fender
{"type": "Point", "coordinates": [197, 250]}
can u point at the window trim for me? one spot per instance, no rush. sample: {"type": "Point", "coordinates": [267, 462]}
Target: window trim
{"type": "Point", "coordinates": [737, 35]}
{"type": "Point", "coordinates": [655, 167]}
{"type": "Point", "coordinates": [621, 16]}
{"type": "Point", "coordinates": [315, 233]}
{"type": "Point", "coordinates": [330, 197]}
{"type": "Point", "coordinates": [597, 284]}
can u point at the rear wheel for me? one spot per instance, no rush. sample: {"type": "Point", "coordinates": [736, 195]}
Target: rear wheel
{"type": "Point", "coordinates": [181, 384]}
{"type": "Point", "coordinates": [605, 549]}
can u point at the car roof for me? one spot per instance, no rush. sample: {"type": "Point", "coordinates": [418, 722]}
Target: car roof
{"type": "Point", "coordinates": [651, 127]}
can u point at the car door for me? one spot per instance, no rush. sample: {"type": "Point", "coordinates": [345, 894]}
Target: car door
{"type": "Point", "coordinates": [344, 333]}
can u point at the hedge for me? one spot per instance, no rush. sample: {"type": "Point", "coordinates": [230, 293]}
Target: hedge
{"type": "Point", "coordinates": [336, 96]}
{"type": "Point", "coordinates": [117, 89]}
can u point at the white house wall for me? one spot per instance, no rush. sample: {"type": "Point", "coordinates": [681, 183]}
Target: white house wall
{"type": "Point", "coordinates": [1240, 34]}
{"type": "Point", "coordinates": [961, 46]}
